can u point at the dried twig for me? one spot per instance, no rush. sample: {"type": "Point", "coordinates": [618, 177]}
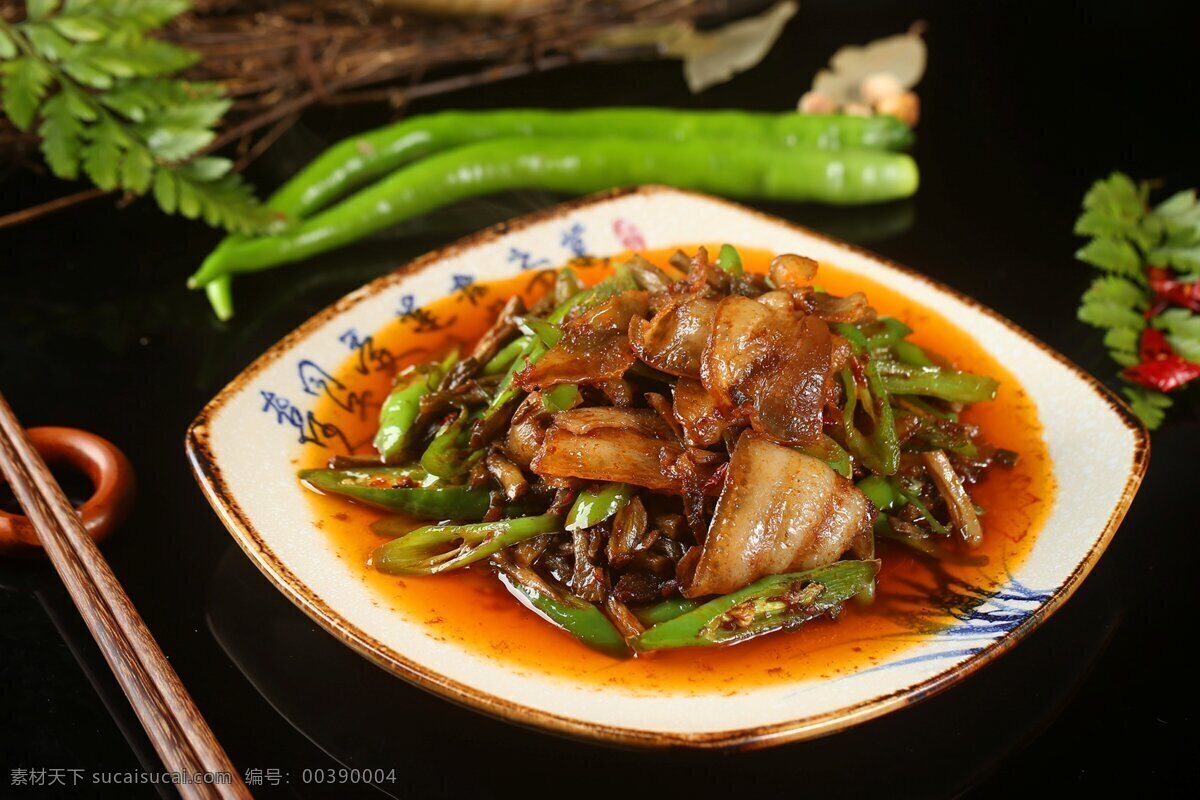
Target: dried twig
{"type": "Point", "coordinates": [33, 212]}
{"type": "Point", "coordinates": [277, 58]}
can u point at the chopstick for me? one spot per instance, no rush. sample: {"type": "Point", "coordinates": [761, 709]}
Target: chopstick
{"type": "Point", "coordinates": [175, 726]}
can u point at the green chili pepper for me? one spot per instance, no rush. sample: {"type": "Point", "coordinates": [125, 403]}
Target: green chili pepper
{"type": "Point", "coordinates": [402, 405]}
{"type": "Point", "coordinates": [883, 492]}
{"type": "Point", "coordinates": [576, 616]}
{"type": "Point", "coordinates": [440, 548]}
{"type": "Point", "coordinates": [929, 408]}
{"type": "Point", "coordinates": [505, 356]}
{"type": "Point", "coordinates": [597, 504]}
{"type": "Point", "coordinates": [370, 487]}
{"type": "Point", "coordinates": [924, 511]}
{"type": "Point", "coordinates": [777, 602]}
{"type": "Point", "coordinates": [852, 334]}
{"type": "Point", "coordinates": [220, 295]}
{"type": "Point", "coordinates": [577, 166]}
{"type": "Point", "coordinates": [891, 340]}
{"type": "Point", "coordinates": [548, 332]}
{"type": "Point", "coordinates": [561, 398]}
{"type": "Point", "coordinates": [945, 384]}
{"type": "Point", "coordinates": [879, 449]}
{"type": "Point", "coordinates": [664, 610]}
{"type": "Point", "coordinates": [729, 260]}
{"type": "Point", "coordinates": [448, 455]}
{"type": "Point", "coordinates": [566, 285]}
{"type": "Point", "coordinates": [929, 436]}
{"type": "Point", "coordinates": [909, 353]}
{"type": "Point", "coordinates": [621, 280]}
{"type": "Point", "coordinates": [363, 157]}
{"type": "Point", "coordinates": [893, 331]}
{"type": "Point", "coordinates": [507, 390]}
{"type": "Point", "coordinates": [831, 453]}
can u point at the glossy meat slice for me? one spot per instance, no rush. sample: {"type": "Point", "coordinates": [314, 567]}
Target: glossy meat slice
{"type": "Point", "coordinates": [619, 445]}
{"type": "Point", "coordinates": [769, 365]}
{"type": "Point", "coordinates": [699, 418]}
{"type": "Point", "coordinates": [780, 511]}
{"type": "Point", "coordinates": [673, 341]}
{"type": "Point", "coordinates": [527, 430]}
{"type": "Point", "coordinates": [594, 347]}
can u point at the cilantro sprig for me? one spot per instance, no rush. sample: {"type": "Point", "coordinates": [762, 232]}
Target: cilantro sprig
{"type": "Point", "coordinates": [98, 89]}
{"type": "Point", "coordinates": [1126, 237]}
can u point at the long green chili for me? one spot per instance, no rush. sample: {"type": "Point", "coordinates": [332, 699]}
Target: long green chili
{"type": "Point", "coordinates": [664, 610]}
{"type": "Point", "coordinates": [593, 506]}
{"type": "Point", "coordinates": [422, 502]}
{"type": "Point", "coordinates": [505, 356]}
{"type": "Point", "coordinates": [403, 404]}
{"type": "Point", "coordinates": [364, 157]}
{"type": "Point", "coordinates": [883, 492]}
{"type": "Point", "coordinates": [878, 448]}
{"type": "Point", "coordinates": [945, 384]}
{"type": "Point", "coordinates": [832, 453]}
{"type": "Point", "coordinates": [576, 616]}
{"type": "Point", "coordinates": [507, 390]}
{"type": "Point", "coordinates": [561, 398]}
{"type": "Point", "coordinates": [440, 548]}
{"type": "Point", "coordinates": [774, 603]}
{"type": "Point", "coordinates": [729, 260]}
{"type": "Point", "coordinates": [575, 166]}
{"type": "Point", "coordinates": [621, 280]}
{"type": "Point", "coordinates": [448, 455]}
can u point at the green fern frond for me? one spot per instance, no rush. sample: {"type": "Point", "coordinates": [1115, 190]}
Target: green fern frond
{"type": "Point", "coordinates": [97, 88]}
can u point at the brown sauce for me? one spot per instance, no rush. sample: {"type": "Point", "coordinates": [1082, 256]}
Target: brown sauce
{"type": "Point", "coordinates": [914, 594]}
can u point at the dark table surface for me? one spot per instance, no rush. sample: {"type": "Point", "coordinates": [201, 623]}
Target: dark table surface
{"type": "Point", "coordinates": [1025, 105]}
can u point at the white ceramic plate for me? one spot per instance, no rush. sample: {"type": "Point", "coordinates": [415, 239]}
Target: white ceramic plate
{"type": "Point", "coordinates": [245, 443]}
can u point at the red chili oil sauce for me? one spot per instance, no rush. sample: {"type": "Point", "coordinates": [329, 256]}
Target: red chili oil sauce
{"type": "Point", "coordinates": [914, 593]}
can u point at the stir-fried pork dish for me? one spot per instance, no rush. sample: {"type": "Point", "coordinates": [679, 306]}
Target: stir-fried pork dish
{"type": "Point", "coordinates": [681, 456]}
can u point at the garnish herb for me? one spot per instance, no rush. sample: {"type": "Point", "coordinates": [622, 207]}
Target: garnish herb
{"type": "Point", "coordinates": [98, 89]}
{"type": "Point", "coordinates": [1147, 300]}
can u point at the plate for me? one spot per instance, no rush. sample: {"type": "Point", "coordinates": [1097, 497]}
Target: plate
{"type": "Point", "coordinates": [245, 445]}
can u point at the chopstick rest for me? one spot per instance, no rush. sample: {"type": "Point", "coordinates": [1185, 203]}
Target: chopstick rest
{"type": "Point", "coordinates": [107, 468]}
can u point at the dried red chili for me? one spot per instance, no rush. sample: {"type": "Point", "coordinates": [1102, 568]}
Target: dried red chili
{"type": "Point", "coordinates": [1169, 291]}
{"type": "Point", "coordinates": [1154, 346]}
{"type": "Point", "coordinates": [1161, 367]}
{"type": "Point", "coordinates": [1165, 375]}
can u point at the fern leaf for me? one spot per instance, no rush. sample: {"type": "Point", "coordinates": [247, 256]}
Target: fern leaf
{"type": "Point", "coordinates": [102, 155]}
{"type": "Point", "coordinates": [25, 84]}
{"type": "Point", "coordinates": [137, 170]}
{"type": "Point", "coordinates": [165, 190]}
{"type": "Point", "coordinates": [61, 133]}
{"type": "Point", "coordinates": [88, 74]}
{"type": "Point", "coordinates": [48, 43]}
{"type": "Point", "coordinates": [40, 9]}
{"type": "Point", "coordinates": [136, 57]}
{"type": "Point", "coordinates": [8, 48]}
{"type": "Point", "coordinates": [83, 28]}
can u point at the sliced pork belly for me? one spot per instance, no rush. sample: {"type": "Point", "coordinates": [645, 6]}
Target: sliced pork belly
{"type": "Point", "coordinates": [780, 511]}
{"type": "Point", "coordinates": [621, 445]}
{"type": "Point", "coordinates": [594, 347]}
{"type": "Point", "coordinates": [769, 365]}
{"type": "Point", "coordinates": [673, 341]}
{"type": "Point", "coordinates": [699, 418]}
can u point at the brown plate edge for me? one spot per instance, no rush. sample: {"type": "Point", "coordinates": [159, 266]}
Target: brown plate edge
{"type": "Point", "coordinates": [208, 475]}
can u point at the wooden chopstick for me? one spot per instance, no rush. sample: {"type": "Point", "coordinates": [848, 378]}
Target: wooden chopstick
{"type": "Point", "coordinates": [178, 732]}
